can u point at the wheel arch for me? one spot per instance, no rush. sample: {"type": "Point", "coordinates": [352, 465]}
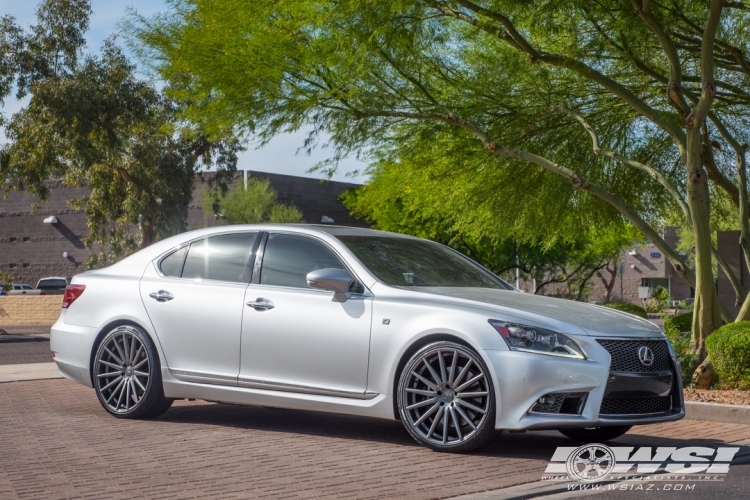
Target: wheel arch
{"type": "Point", "coordinates": [108, 328]}
{"type": "Point", "coordinates": [415, 346]}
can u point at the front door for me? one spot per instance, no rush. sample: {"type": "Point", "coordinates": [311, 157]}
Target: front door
{"type": "Point", "coordinates": [295, 338]}
{"type": "Point", "coordinates": [195, 299]}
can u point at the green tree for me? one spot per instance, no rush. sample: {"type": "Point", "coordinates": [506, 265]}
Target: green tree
{"type": "Point", "coordinates": [92, 122]}
{"type": "Point", "coordinates": [391, 201]}
{"type": "Point", "coordinates": [250, 205]}
{"type": "Point", "coordinates": [611, 107]}
{"type": "Point", "coordinates": [6, 281]}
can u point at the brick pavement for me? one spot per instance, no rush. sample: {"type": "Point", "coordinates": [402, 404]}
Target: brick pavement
{"type": "Point", "coordinates": [57, 442]}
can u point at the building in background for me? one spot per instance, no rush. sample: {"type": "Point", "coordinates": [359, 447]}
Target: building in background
{"type": "Point", "coordinates": [728, 246]}
{"type": "Point", "coordinates": [49, 241]}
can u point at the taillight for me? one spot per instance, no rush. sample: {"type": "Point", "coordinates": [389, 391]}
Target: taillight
{"type": "Point", "coordinates": [72, 292]}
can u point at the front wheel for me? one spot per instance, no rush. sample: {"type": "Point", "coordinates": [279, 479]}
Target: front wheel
{"type": "Point", "coordinates": [445, 398]}
{"type": "Point", "coordinates": [595, 434]}
{"type": "Point", "coordinates": [127, 375]}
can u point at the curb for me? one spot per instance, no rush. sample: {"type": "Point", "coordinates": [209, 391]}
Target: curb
{"type": "Point", "coordinates": [28, 371]}
{"type": "Point", "coordinates": [716, 412]}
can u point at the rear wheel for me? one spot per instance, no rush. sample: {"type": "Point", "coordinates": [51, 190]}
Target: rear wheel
{"type": "Point", "coordinates": [595, 434]}
{"type": "Point", "coordinates": [127, 375]}
{"type": "Point", "coordinates": [446, 399]}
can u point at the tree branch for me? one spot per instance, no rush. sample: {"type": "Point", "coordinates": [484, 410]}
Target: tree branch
{"type": "Point", "coordinates": [579, 67]}
{"type": "Point", "coordinates": [674, 84]}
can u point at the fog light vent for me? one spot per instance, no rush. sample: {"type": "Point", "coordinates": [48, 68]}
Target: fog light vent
{"type": "Point", "coordinates": [566, 403]}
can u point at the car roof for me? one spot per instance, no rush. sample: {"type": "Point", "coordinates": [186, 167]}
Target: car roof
{"type": "Point", "coordinates": [139, 259]}
{"type": "Point", "coordinates": [346, 230]}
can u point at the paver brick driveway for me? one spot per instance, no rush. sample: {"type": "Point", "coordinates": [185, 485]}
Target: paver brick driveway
{"type": "Point", "coordinates": [57, 442]}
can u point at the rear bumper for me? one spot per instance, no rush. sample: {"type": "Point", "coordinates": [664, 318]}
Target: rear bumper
{"type": "Point", "coordinates": [72, 346]}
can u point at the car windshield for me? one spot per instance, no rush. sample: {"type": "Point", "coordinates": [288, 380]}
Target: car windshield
{"type": "Point", "coordinates": [413, 262]}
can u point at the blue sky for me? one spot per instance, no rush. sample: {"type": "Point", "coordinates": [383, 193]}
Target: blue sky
{"type": "Point", "coordinates": [278, 156]}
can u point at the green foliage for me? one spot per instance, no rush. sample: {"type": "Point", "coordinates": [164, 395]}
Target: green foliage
{"type": "Point", "coordinates": [680, 342]}
{"type": "Point", "coordinates": [6, 281]}
{"type": "Point", "coordinates": [677, 329]}
{"type": "Point", "coordinates": [251, 205]}
{"type": "Point", "coordinates": [411, 199]}
{"type": "Point", "coordinates": [677, 324]}
{"type": "Point", "coordinates": [484, 102]}
{"type": "Point", "coordinates": [91, 122]}
{"type": "Point", "coordinates": [628, 308]}
{"type": "Point", "coordinates": [661, 294]}
{"type": "Point", "coordinates": [729, 350]}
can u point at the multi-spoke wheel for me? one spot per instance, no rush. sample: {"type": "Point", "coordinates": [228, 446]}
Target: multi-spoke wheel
{"type": "Point", "coordinates": [595, 434]}
{"type": "Point", "coordinates": [126, 373]}
{"type": "Point", "coordinates": [445, 398]}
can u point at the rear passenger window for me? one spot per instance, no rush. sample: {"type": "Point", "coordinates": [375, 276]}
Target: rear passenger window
{"type": "Point", "coordinates": [220, 258]}
{"type": "Point", "coordinates": [171, 265]}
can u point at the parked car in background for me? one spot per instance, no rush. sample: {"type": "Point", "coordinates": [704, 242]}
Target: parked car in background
{"type": "Point", "coordinates": [53, 284]}
{"type": "Point", "coordinates": [360, 322]}
{"type": "Point", "coordinates": [15, 287]}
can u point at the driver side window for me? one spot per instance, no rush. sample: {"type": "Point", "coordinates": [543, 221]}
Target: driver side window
{"type": "Point", "coordinates": [287, 260]}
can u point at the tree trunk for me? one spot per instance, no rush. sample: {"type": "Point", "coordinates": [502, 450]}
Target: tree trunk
{"type": "Point", "coordinates": [706, 315]}
{"type": "Point", "coordinates": [703, 374]}
{"type": "Point", "coordinates": [147, 234]}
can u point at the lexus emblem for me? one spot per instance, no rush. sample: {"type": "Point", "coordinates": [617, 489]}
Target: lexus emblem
{"type": "Point", "coordinates": [646, 356]}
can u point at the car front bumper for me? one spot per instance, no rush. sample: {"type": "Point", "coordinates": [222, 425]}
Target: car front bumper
{"type": "Point", "coordinates": [521, 378]}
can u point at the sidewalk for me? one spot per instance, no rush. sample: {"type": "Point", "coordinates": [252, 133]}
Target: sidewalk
{"type": "Point", "coordinates": [39, 331]}
{"type": "Point", "coordinates": [28, 371]}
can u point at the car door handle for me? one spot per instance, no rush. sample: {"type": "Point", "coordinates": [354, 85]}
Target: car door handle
{"type": "Point", "coordinates": [161, 296]}
{"type": "Point", "coordinates": [261, 304]}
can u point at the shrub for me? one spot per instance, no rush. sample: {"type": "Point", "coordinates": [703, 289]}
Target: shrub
{"type": "Point", "coordinates": [729, 350]}
{"type": "Point", "coordinates": [627, 307]}
{"type": "Point", "coordinates": [661, 294]}
{"type": "Point", "coordinates": [677, 324]}
{"type": "Point", "coordinates": [678, 332]}
{"type": "Point", "coordinates": [653, 305]}
{"type": "Point", "coordinates": [6, 281]}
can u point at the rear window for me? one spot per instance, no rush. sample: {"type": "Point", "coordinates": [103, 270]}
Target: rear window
{"type": "Point", "coordinates": [51, 283]}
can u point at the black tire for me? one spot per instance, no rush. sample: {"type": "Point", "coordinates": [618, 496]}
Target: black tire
{"type": "Point", "coordinates": [123, 357]}
{"type": "Point", "coordinates": [595, 434]}
{"type": "Point", "coordinates": [468, 422]}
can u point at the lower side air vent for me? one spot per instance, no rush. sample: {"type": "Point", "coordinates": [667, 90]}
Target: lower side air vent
{"type": "Point", "coordinates": [564, 403]}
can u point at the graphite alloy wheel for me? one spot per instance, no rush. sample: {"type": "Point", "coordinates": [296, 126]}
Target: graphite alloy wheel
{"type": "Point", "coordinates": [595, 434]}
{"type": "Point", "coordinates": [127, 375]}
{"type": "Point", "coordinates": [446, 399]}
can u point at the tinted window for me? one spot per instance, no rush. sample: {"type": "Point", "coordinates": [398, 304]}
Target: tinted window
{"type": "Point", "coordinates": [413, 262]}
{"type": "Point", "coordinates": [220, 258]}
{"type": "Point", "coordinates": [51, 284]}
{"type": "Point", "coordinates": [172, 264]}
{"type": "Point", "coordinates": [288, 259]}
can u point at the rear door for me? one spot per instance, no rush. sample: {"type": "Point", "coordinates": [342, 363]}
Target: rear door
{"type": "Point", "coordinates": [195, 299]}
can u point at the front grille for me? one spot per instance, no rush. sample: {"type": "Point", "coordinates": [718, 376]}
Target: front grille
{"type": "Point", "coordinates": [635, 406]}
{"type": "Point", "coordinates": [624, 355]}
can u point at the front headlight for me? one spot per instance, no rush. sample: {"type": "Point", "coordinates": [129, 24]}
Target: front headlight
{"type": "Point", "coordinates": [539, 340]}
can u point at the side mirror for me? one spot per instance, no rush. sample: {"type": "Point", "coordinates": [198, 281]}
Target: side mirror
{"type": "Point", "coordinates": [332, 280]}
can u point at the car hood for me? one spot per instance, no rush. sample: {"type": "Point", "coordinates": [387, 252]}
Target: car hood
{"type": "Point", "coordinates": [594, 320]}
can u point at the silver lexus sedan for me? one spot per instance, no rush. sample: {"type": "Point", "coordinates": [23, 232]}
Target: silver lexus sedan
{"type": "Point", "coordinates": [360, 322]}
